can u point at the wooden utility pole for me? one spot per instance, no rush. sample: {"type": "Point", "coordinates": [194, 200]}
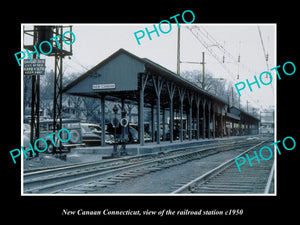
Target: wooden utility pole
{"type": "Point", "coordinates": [203, 68]}
{"type": "Point", "coordinates": [232, 99]}
{"type": "Point", "coordinates": [247, 105]}
{"type": "Point", "coordinates": [203, 71]}
{"type": "Point", "coordinates": [178, 51]}
{"type": "Point", "coordinates": [35, 100]}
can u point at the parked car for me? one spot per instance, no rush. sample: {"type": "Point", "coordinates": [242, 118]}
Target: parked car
{"type": "Point", "coordinates": [26, 137]}
{"type": "Point", "coordinates": [46, 128]}
{"type": "Point", "coordinates": [91, 135]}
{"type": "Point", "coordinates": [147, 137]}
{"type": "Point", "coordinates": [133, 134]}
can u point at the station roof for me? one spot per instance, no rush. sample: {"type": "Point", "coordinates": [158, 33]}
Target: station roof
{"type": "Point", "coordinates": [117, 77]}
{"type": "Point", "coordinates": [241, 113]}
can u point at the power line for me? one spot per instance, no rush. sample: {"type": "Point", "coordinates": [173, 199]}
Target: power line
{"type": "Point", "coordinates": [264, 50]}
{"type": "Point", "coordinates": [75, 60]}
{"type": "Point", "coordinates": [227, 54]}
{"type": "Point", "coordinates": [265, 54]}
{"type": "Point", "coordinates": [208, 41]}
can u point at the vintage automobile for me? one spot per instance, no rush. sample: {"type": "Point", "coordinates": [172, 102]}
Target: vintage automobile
{"type": "Point", "coordinates": [46, 128]}
{"type": "Point", "coordinates": [91, 135]}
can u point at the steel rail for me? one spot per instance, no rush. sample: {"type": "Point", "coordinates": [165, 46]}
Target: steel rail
{"type": "Point", "coordinates": [143, 169]}
{"type": "Point", "coordinates": [268, 186]}
{"type": "Point", "coordinates": [203, 178]}
{"type": "Point", "coordinates": [86, 175]}
{"type": "Point", "coordinates": [52, 184]}
{"type": "Point", "coordinates": [67, 168]}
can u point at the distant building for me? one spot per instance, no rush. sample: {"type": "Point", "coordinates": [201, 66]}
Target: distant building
{"type": "Point", "coordinates": [267, 123]}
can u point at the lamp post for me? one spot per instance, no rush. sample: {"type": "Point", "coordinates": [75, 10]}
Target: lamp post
{"type": "Point", "coordinates": [115, 152]}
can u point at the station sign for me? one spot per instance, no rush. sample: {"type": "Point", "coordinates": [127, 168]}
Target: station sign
{"type": "Point", "coordinates": [103, 86]}
{"type": "Point", "coordinates": [34, 67]}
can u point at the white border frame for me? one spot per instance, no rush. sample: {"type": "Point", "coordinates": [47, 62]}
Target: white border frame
{"type": "Point", "coordinates": [150, 195]}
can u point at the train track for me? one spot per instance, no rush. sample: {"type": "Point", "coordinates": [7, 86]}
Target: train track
{"type": "Point", "coordinates": [80, 178]}
{"type": "Point", "coordinates": [226, 178]}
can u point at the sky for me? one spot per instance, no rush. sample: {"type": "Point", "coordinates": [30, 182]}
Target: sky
{"type": "Point", "coordinates": [95, 42]}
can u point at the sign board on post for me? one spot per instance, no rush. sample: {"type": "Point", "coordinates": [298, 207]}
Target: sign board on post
{"type": "Point", "coordinates": [34, 67]}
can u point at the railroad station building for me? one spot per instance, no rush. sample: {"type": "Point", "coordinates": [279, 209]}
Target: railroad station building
{"type": "Point", "coordinates": [182, 109]}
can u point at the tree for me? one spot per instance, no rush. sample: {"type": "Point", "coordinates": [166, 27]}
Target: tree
{"type": "Point", "coordinates": [220, 87]}
{"type": "Point", "coordinates": [92, 109]}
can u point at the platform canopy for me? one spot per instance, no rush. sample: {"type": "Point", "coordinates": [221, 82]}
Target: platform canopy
{"type": "Point", "coordinates": [117, 77]}
{"type": "Point", "coordinates": [127, 78]}
{"type": "Point", "coordinates": [239, 114]}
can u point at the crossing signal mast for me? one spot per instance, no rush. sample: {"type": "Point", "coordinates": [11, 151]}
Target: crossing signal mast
{"type": "Point", "coordinates": [55, 36]}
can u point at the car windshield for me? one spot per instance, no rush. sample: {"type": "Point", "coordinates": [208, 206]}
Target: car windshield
{"type": "Point", "coordinates": [94, 128]}
{"type": "Point", "coordinates": [90, 128]}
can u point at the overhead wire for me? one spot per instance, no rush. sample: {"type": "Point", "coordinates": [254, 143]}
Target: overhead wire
{"type": "Point", "coordinates": [266, 56]}
{"type": "Point", "coordinates": [78, 63]}
{"type": "Point", "coordinates": [201, 34]}
{"type": "Point", "coordinates": [263, 47]}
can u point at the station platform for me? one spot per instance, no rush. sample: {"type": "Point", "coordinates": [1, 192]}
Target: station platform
{"type": "Point", "coordinates": [152, 147]}
{"type": "Point", "coordinates": [96, 153]}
